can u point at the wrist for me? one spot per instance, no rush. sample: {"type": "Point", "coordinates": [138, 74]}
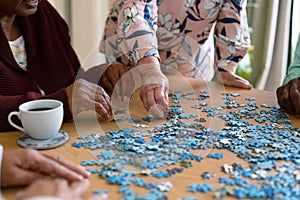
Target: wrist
{"type": "Point", "coordinates": [225, 66]}
{"type": "Point", "coordinates": [149, 60]}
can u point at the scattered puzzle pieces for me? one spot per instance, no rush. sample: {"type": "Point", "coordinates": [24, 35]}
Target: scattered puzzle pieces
{"type": "Point", "coordinates": [259, 134]}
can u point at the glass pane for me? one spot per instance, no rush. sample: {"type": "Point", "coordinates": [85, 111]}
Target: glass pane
{"type": "Point", "coordinates": [295, 25]}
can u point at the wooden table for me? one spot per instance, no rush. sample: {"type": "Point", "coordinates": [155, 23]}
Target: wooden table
{"type": "Point", "coordinates": [89, 122]}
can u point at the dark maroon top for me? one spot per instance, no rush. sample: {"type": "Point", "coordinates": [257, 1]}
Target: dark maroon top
{"type": "Point", "coordinates": [52, 63]}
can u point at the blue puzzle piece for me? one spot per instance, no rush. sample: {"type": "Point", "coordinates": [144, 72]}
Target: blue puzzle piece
{"type": "Point", "coordinates": [215, 156]}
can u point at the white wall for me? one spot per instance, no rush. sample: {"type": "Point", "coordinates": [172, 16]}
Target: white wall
{"type": "Point", "coordinates": [61, 6]}
{"type": "Point", "coordinates": [86, 19]}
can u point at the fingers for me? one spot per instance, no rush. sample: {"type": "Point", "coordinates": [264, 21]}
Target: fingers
{"type": "Point", "coordinates": [98, 100]}
{"type": "Point", "coordinates": [80, 187]}
{"type": "Point", "coordinates": [231, 79]}
{"type": "Point", "coordinates": [22, 178]}
{"type": "Point", "coordinates": [102, 103]}
{"type": "Point", "coordinates": [98, 197]}
{"type": "Point", "coordinates": [295, 98]}
{"type": "Point", "coordinates": [100, 109]}
{"type": "Point", "coordinates": [18, 167]}
{"type": "Point", "coordinates": [45, 187]}
{"type": "Point", "coordinates": [57, 187]}
{"type": "Point", "coordinates": [149, 99]}
{"type": "Point", "coordinates": [60, 167]}
{"type": "Point", "coordinates": [283, 94]}
{"type": "Point", "coordinates": [167, 97]}
{"type": "Point", "coordinates": [155, 100]}
{"type": "Point", "coordinates": [23, 166]}
{"type": "Point", "coordinates": [161, 99]}
{"type": "Point", "coordinates": [240, 83]}
{"type": "Point", "coordinates": [89, 96]}
{"type": "Point", "coordinates": [289, 97]}
{"type": "Point", "coordinates": [75, 168]}
{"type": "Point", "coordinates": [36, 189]}
{"type": "Point", "coordinates": [33, 161]}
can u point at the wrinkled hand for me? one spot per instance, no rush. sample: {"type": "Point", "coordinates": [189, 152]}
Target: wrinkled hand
{"type": "Point", "coordinates": [154, 93]}
{"type": "Point", "coordinates": [23, 166]}
{"type": "Point", "coordinates": [233, 80]}
{"type": "Point", "coordinates": [59, 188]}
{"type": "Point", "coordinates": [84, 96]}
{"type": "Point", "coordinates": [288, 96]}
{"type": "Point", "coordinates": [118, 81]}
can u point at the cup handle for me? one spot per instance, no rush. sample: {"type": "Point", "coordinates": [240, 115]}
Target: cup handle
{"type": "Point", "coordinates": [12, 123]}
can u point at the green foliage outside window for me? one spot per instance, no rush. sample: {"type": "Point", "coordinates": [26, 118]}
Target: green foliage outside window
{"type": "Point", "coordinates": [244, 68]}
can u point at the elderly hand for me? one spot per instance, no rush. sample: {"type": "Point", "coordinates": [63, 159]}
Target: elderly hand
{"type": "Point", "coordinates": [154, 93]}
{"type": "Point", "coordinates": [84, 96]}
{"type": "Point", "coordinates": [288, 96]}
{"type": "Point", "coordinates": [118, 81]}
{"type": "Point", "coordinates": [233, 80]}
{"type": "Point", "coordinates": [23, 166]}
{"type": "Point", "coordinates": [112, 75]}
{"type": "Point", "coordinates": [59, 188]}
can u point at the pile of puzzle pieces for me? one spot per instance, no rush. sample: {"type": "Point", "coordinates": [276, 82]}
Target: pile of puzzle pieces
{"type": "Point", "coordinates": [270, 138]}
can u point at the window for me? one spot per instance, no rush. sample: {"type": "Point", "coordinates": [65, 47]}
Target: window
{"type": "Point", "coordinates": [295, 29]}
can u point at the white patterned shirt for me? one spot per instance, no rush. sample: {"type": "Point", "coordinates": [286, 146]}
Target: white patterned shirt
{"type": "Point", "coordinates": [18, 49]}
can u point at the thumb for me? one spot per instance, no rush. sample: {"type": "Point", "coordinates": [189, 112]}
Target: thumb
{"type": "Point", "coordinates": [80, 187]}
{"type": "Point", "coordinates": [98, 197]}
{"type": "Point", "coordinates": [241, 83]}
{"type": "Point", "coordinates": [231, 79]}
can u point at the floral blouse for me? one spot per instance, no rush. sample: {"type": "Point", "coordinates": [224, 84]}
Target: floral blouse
{"type": "Point", "coordinates": [178, 32]}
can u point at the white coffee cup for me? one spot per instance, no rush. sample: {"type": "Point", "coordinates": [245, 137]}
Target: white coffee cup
{"type": "Point", "coordinates": [41, 119]}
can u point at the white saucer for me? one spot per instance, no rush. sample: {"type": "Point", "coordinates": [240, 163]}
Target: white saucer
{"type": "Point", "coordinates": [26, 141]}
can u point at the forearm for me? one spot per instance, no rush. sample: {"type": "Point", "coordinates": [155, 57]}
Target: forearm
{"type": "Point", "coordinates": [137, 25]}
{"type": "Point", "coordinates": [233, 40]}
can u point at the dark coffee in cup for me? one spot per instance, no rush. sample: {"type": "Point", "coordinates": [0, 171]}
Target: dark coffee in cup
{"type": "Point", "coordinates": [39, 109]}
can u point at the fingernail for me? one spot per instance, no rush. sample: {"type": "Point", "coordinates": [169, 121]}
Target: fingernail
{"type": "Point", "coordinates": [80, 178]}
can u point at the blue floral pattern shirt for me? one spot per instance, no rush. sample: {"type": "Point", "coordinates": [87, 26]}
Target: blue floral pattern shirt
{"type": "Point", "coordinates": [190, 36]}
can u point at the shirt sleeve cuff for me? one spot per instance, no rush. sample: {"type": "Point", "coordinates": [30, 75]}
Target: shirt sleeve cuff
{"type": "Point", "coordinates": [293, 72]}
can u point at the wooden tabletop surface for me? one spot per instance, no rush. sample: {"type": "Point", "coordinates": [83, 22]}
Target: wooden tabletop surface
{"type": "Point", "coordinates": [89, 122]}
